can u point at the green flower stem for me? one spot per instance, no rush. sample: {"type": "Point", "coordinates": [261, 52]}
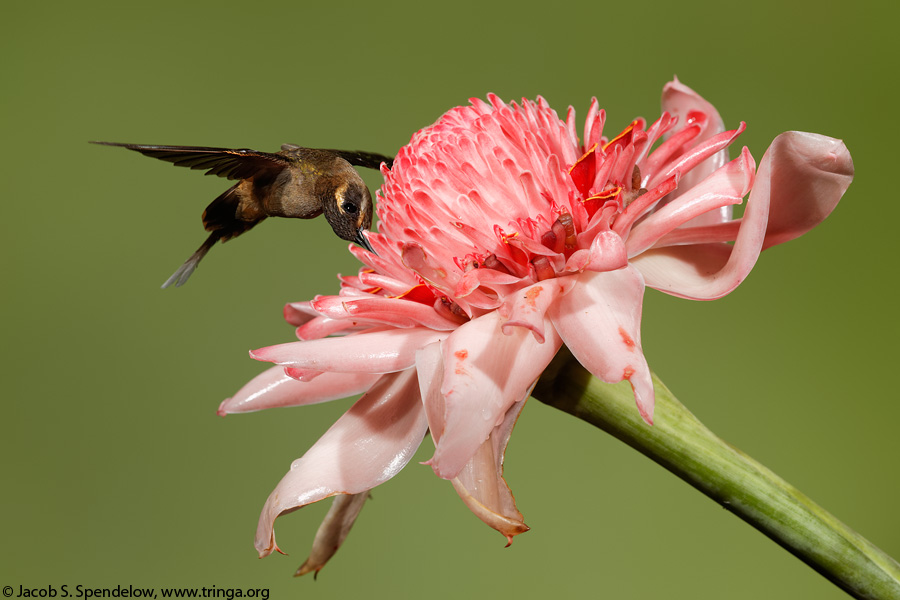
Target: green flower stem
{"type": "Point", "coordinates": [684, 446]}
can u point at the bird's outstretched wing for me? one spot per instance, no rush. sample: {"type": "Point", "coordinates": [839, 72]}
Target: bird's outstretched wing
{"type": "Point", "coordinates": [239, 163]}
{"type": "Point", "coordinates": [369, 160]}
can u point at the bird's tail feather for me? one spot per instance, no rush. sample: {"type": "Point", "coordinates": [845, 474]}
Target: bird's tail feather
{"type": "Point", "coordinates": [185, 270]}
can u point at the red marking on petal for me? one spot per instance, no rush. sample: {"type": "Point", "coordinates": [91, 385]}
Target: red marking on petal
{"type": "Point", "coordinates": [461, 356]}
{"type": "Point", "coordinates": [696, 116]}
{"type": "Point", "coordinates": [628, 341]}
{"type": "Point", "coordinates": [532, 294]}
{"type": "Point", "coordinates": [627, 372]}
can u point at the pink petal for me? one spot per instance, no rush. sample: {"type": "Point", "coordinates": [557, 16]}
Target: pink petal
{"type": "Point", "coordinates": [367, 446]}
{"type": "Point", "coordinates": [689, 159]}
{"type": "Point", "coordinates": [691, 272]}
{"type": "Point", "coordinates": [321, 327]}
{"type": "Point", "coordinates": [302, 375]}
{"type": "Point", "coordinates": [680, 101]}
{"type": "Point", "coordinates": [600, 322]}
{"type": "Point", "coordinates": [608, 252]}
{"type": "Point", "coordinates": [480, 483]}
{"type": "Point", "coordinates": [377, 352]}
{"type": "Point", "coordinates": [809, 178]}
{"type": "Point", "coordinates": [485, 373]}
{"type": "Point", "coordinates": [476, 278]}
{"type": "Point", "coordinates": [430, 370]}
{"type": "Point", "coordinates": [396, 312]}
{"type": "Point", "coordinates": [710, 271]}
{"type": "Point", "coordinates": [298, 313]}
{"type": "Point", "coordinates": [685, 103]}
{"type": "Point", "coordinates": [526, 307]}
{"type": "Point", "coordinates": [481, 486]}
{"type": "Point", "coordinates": [273, 388]}
{"type": "Point", "coordinates": [808, 174]}
{"type": "Point", "coordinates": [333, 531]}
{"type": "Point", "coordinates": [726, 186]}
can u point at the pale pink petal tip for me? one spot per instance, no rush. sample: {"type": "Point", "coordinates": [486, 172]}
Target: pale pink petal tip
{"type": "Point", "coordinates": [481, 486]}
{"type": "Point", "coordinates": [333, 531]}
{"type": "Point", "coordinates": [276, 388]}
{"type": "Point", "coordinates": [388, 424]}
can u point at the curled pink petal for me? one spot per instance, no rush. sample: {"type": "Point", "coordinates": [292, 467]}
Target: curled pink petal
{"type": "Point", "coordinates": [600, 322]}
{"type": "Point", "coordinates": [607, 253]}
{"type": "Point", "coordinates": [710, 271]}
{"type": "Point", "coordinates": [527, 307]}
{"type": "Point", "coordinates": [808, 173]}
{"type": "Point", "coordinates": [370, 444]}
{"type": "Point", "coordinates": [273, 388]}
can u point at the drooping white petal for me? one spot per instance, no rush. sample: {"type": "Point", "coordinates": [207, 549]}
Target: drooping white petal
{"type": "Point", "coordinates": [600, 322]}
{"type": "Point", "coordinates": [368, 445]}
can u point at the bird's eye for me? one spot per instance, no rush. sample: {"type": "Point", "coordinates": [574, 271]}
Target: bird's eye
{"type": "Point", "coordinates": [349, 207]}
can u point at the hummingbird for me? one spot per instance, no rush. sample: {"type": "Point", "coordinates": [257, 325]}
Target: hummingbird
{"type": "Point", "coordinates": [297, 182]}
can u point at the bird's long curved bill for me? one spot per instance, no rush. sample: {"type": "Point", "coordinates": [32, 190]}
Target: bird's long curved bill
{"type": "Point", "coordinates": [363, 241]}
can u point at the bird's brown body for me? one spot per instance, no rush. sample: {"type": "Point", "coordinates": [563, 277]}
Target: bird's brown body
{"type": "Point", "coordinates": [297, 182]}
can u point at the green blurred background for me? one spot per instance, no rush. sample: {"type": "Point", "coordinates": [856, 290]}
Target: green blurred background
{"type": "Point", "coordinates": [116, 469]}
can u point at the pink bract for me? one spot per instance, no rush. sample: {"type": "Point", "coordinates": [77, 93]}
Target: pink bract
{"type": "Point", "coordinates": [503, 236]}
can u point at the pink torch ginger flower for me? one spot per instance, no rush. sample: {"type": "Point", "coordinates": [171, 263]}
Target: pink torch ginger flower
{"type": "Point", "coordinates": [503, 236]}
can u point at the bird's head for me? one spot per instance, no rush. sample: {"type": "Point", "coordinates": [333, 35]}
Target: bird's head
{"type": "Point", "coordinates": [348, 207]}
